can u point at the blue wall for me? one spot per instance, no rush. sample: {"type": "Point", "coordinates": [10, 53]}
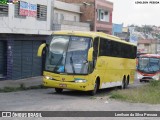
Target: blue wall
{"type": "Point", "coordinates": [117, 28]}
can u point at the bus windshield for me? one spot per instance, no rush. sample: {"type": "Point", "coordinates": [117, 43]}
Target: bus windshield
{"type": "Point", "coordinates": [148, 65]}
{"type": "Point", "coordinates": [68, 54]}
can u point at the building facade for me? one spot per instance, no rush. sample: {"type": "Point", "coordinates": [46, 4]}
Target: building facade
{"type": "Point", "coordinates": [23, 27]}
{"type": "Point", "coordinates": [96, 12]}
{"type": "Point", "coordinates": [67, 17]}
{"type": "Point", "coordinates": [121, 32]}
{"type": "Point", "coordinates": [147, 46]}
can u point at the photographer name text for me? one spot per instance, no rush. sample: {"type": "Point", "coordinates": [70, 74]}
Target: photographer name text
{"type": "Point", "coordinates": [147, 2]}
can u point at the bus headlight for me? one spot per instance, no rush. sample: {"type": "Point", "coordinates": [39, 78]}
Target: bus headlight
{"type": "Point", "coordinates": [48, 78]}
{"type": "Point", "coordinates": [139, 76]}
{"type": "Point", "coordinates": [80, 80]}
{"type": "Point", "coordinates": [156, 77]}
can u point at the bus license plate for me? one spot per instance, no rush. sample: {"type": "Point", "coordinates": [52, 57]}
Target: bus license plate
{"type": "Point", "coordinates": [62, 85]}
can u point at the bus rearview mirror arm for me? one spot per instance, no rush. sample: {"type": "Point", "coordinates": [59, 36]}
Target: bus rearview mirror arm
{"type": "Point", "coordinates": [90, 54]}
{"type": "Point", "coordinates": [40, 49]}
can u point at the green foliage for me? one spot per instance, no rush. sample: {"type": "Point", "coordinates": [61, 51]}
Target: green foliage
{"type": "Point", "coordinates": [154, 84]}
{"type": "Point", "coordinates": [22, 87]}
{"type": "Point", "coordinates": [147, 29]}
{"type": "Point", "coordinates": [158, 36]}
{"type": "Point", "coordinates": [3, 1]}
{"type": "Point", "coordinates": [118, 96]}
{"type": "Point", "coordinates": [37, 87]}
{"type": "Point", "coordinates": [9, 89]}
{"type": "Point", "coordinates": [149, 93]}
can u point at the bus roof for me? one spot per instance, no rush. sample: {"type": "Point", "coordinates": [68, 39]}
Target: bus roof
{"type": "Point", "coordinates": [92, 34]}
{"type": "Point", "coordinates": [150, 55]}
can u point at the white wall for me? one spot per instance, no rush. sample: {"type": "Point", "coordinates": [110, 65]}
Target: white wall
{"type": "Point", "coordinates": [75, 28]}
{"type": "Point", "coordinates": [68, 16]}
{"type": "Point", "coordinates": [70, 12]}
{"type": "Point", "coordinates": [66, 6]}
{"type": "Point", "coordinates": [28, 25]}
{"type": "Point", "coordinates": [31, 25]}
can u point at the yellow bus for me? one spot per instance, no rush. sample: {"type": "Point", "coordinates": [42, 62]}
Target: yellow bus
{"type": "Point", "coordinates": [87, 61]}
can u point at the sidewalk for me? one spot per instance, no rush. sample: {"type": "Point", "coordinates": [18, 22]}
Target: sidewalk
{"type": "Point", "coordinates": [28, 82]}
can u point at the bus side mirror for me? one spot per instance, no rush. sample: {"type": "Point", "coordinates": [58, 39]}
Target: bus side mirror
{"type": "Point", "coordinates": [40, 49]}
{"type": "Point", "coordinates": [90, 54]}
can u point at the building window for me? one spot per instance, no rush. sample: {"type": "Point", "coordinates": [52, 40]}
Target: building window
{"type": "Point", "coordinates": [116, 49]}
{"type": "Point", "coordinates": [146, 45]}
{"type": "Point", "coordinates": [3, 9]}
{"type": "Point", "coordinates": [106, 13]}
{"type": "Point", "coordinates": [41, 12]}
{"type": "Point", "coordinates": [75, 18]}
{"type": "Point", "coordinates": [97, 14]}
{"type": "Point", "coordinates": [55, 17]}
{"type": "Point", "coordinates": [23, 9]}
{"type": "Point", "coordinates": [61, 17]}
{"type": "Point", "coordinates": [102, 15]}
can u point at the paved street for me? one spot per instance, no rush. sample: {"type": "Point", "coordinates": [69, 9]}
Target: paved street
{"type": "Point", "coordinates": [49, 100]}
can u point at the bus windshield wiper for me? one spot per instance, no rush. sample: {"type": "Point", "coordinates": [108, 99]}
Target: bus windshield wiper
{"type": "Point", "coordinates": [71, 62]}
{"type": "Point", "coordinates": [58, 63]}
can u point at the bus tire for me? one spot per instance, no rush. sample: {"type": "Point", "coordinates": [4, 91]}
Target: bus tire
{"type": "Point", "coordinates": [127, 82]}
{"type": "Point", "coordinates": [94, 91]}
{"type": "Point", "coordinates": [123, 86]}
{"type": "Point", "coordinates": [58, 90]}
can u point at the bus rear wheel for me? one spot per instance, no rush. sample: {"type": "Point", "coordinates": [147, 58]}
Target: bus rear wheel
{"type": "Point", "coordinates": [127, 82]}
{"type": "Point", "coordinates": [58, 90]}
{"type": "Point", "coordinates": [123, 86]}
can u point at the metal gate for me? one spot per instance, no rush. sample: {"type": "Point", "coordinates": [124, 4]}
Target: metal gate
{"type": "Point", "coordinates": [3, 59]}
{"type": "Point", "coordinates": [25, 61]}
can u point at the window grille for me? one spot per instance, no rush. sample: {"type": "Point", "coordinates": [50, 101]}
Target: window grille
{"type": "Point", "coordinates": [3, 9]}
{"type": "Point", "coordinates": [41, 12]}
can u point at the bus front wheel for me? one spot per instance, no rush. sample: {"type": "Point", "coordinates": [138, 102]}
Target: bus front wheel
{"type": "Point", "coordinates": [94, 91]}
{"type": "Point", "coordinates": [58, 90]}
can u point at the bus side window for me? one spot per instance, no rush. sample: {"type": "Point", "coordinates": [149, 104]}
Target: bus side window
{"type": "Point", "coordinates": [104, 49]}
{"type": "Point", "coordinates": [95, 51]}
{"type": "Point", "coordinates": [95, 47]}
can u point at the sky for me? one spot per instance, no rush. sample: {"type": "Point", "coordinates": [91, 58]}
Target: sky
{"type": "Point", "coordinates": [128, 12]}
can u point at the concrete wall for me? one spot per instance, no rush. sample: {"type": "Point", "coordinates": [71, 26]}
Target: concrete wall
{"type": "Point", "coordinates": [27, 25]}
{"type": "Point", "coordinates": [66, 6]}
{"type": "Point", "coordinates": [101, 25]}
{"type": "Point", "coordinates": [158, 47]}
{"type": "Point", "coordinates": [68, 16]}
{"type": "Point", "coordinates": [76, 28]}
{"type": "Point", "coordinates": [142, 48]}
{"type": "Point", "coordinates": [153, 48]}
{"type": "Point", "coordinates": [71, 25]}
{"type": "Point", "coordinates": [147, 48]}
{"type": "Point", "coordinates": [89, 14]}
{"type": "Point", "coordinates": [88, 11]}
{"type": "Point", "coordinates": [71, 21]}
{"type": "Point", "coordinates": [68, 10]}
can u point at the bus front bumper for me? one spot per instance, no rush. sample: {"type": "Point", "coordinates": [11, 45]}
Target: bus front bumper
{"type": "Point", "coordinates": [150, 77]}
{"type": "Point", "coordinates": [67, 85]}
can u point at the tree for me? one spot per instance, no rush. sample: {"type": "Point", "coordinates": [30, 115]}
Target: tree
{"type": "Point", "coordinates": [147, 29]}
{"type": "Point", "coordinates": [158, 36]}
{"type": "Point", "coordinates": [3, 1]}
